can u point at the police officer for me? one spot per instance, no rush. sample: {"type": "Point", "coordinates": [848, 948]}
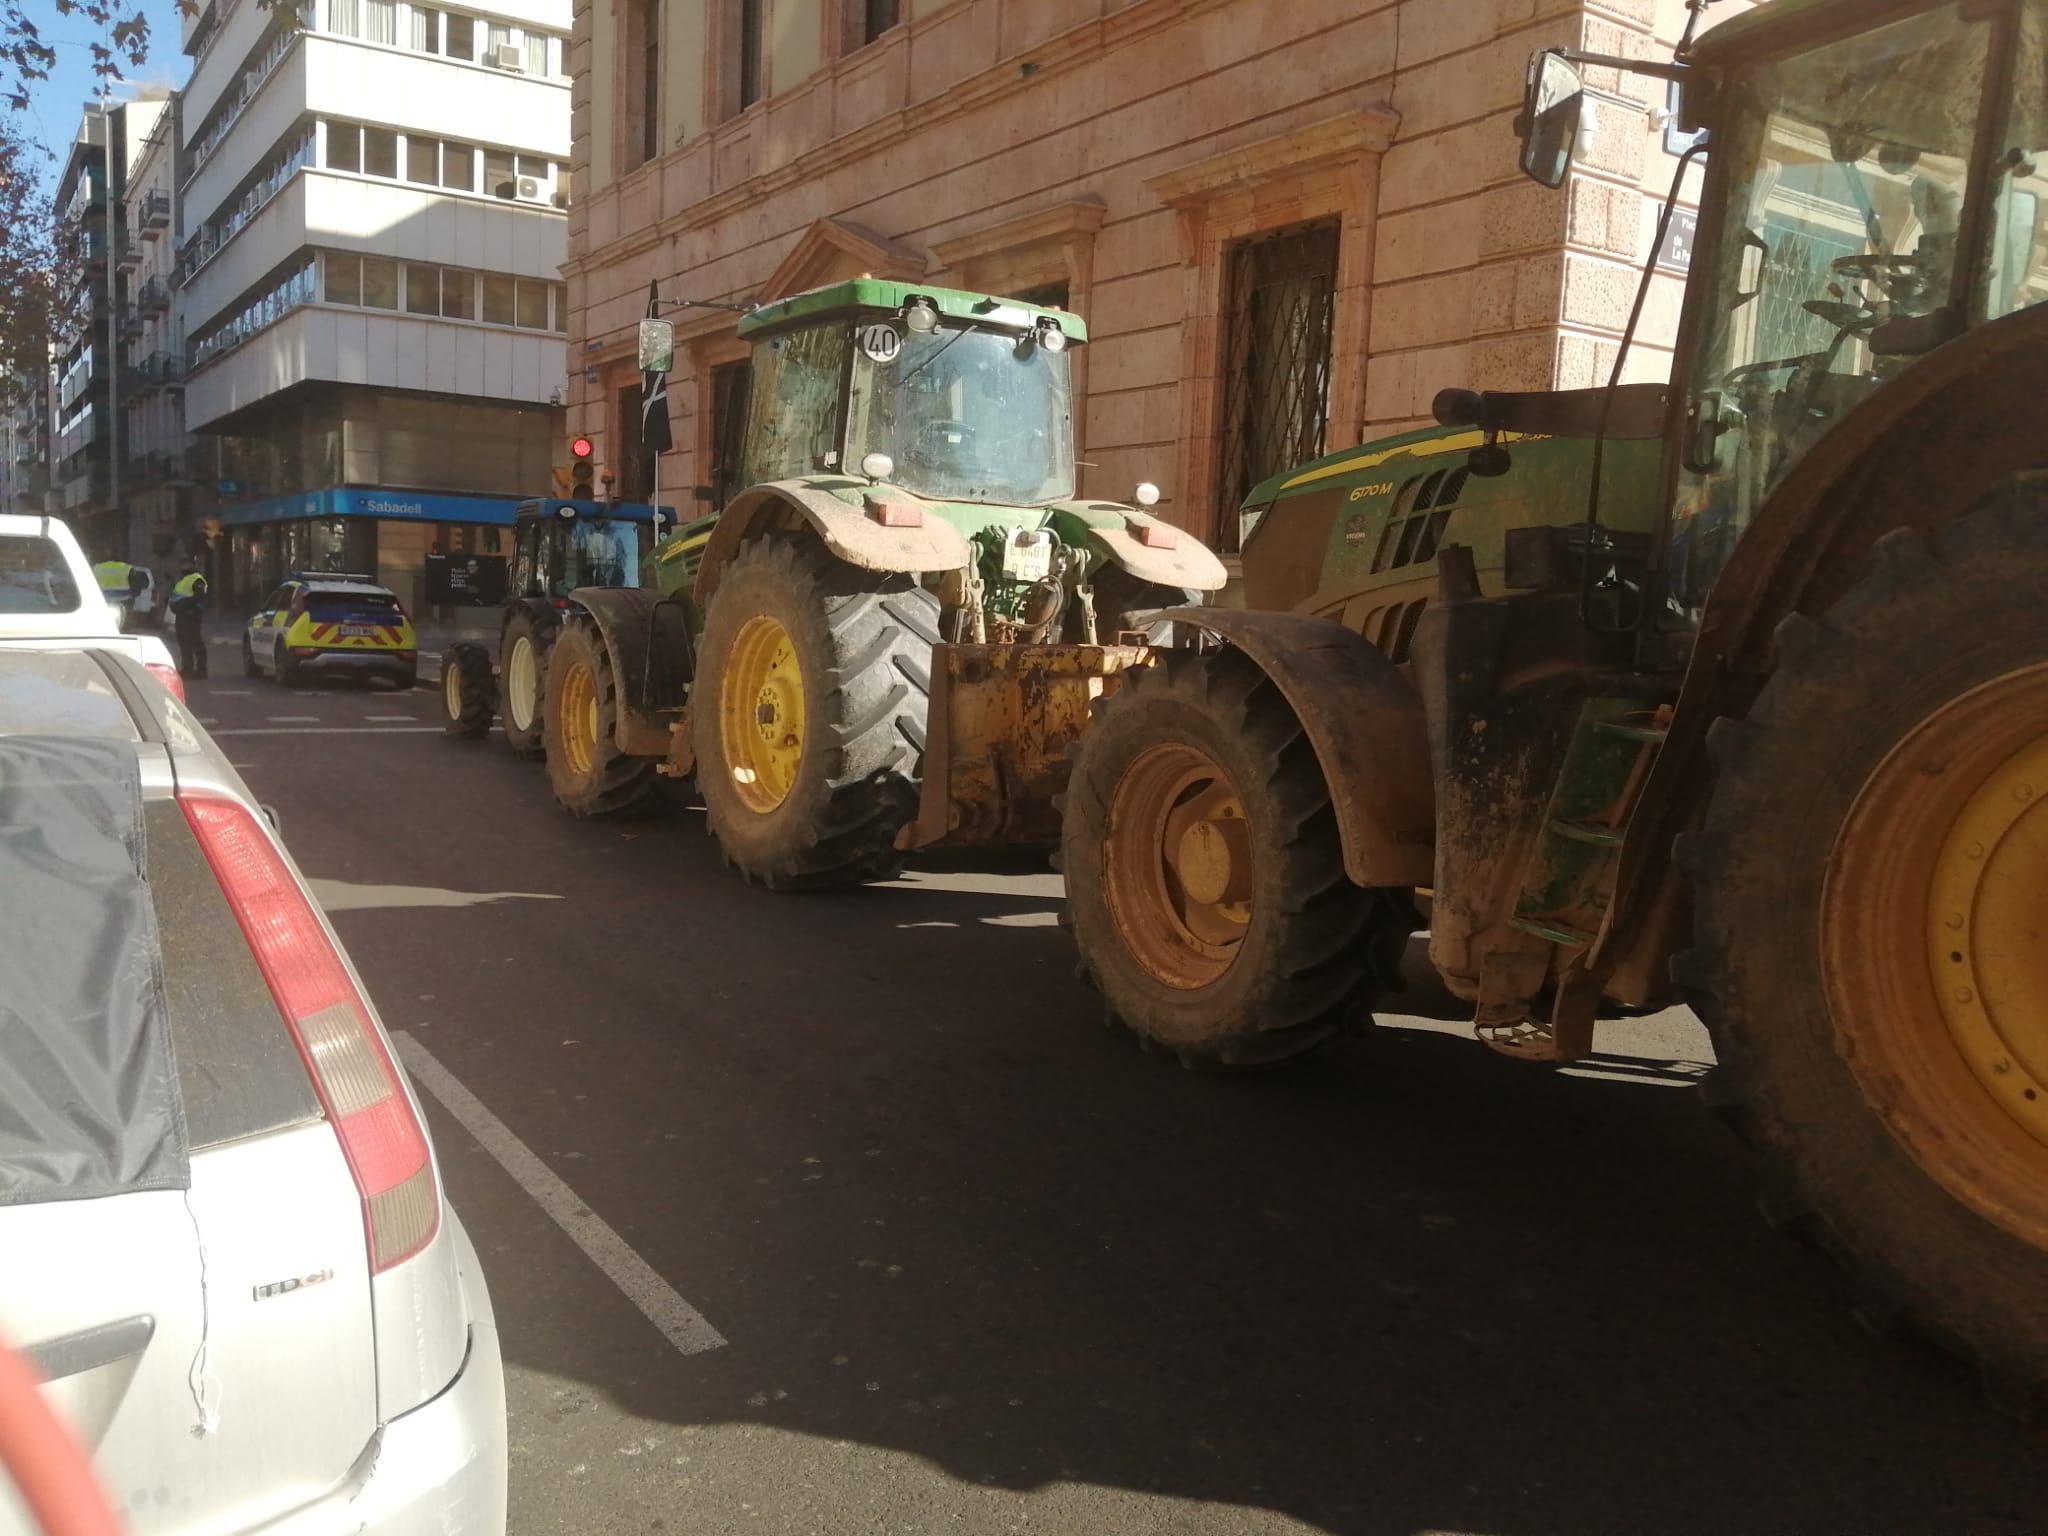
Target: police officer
{"type": "Point", "coordinates": [188, 609]}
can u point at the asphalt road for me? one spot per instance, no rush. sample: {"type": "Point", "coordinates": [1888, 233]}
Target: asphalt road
{"type": "Point", "coordinates": [981, 1266]}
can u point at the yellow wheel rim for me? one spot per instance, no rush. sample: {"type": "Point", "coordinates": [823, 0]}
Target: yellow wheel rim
{"type": "Point", "coordinates": [1935, 943]}
{"type": "Point", "coordinates": [451, 690]}
{"type": "Point", "coordinates": [1178, 864]}
{"type": "Point", "coordinates": [761, 714]}
{"type": "Point", "coordinates": [578, 717]}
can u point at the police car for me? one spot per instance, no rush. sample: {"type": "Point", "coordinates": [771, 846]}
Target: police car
{"type": "Point", "coordinates": [323, 624]}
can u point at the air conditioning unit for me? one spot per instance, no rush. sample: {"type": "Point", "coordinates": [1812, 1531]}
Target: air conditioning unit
{"type": "Point", "coordinates": [530, 190]}
{"type": "Point", "coordinates": [509, 56]}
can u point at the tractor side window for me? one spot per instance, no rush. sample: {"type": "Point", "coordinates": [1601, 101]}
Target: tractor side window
{"type": "Point", "coordinates": [1846, 175]}
{"type": "Point", "coordinates": [793, 414]}
{"type": "Point", "coordinates": [2018, 278]}
{"type": "Point", "coordinates": [525, 579]}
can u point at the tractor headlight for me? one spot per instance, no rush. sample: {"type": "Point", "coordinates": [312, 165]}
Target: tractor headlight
{"type": "Point", "coordinates": [921, 316]}
{"type": "Point", "coordinates": [1052, 338]}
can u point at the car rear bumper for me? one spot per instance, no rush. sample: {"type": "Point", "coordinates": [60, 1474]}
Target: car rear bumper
{"type": "Point", "coordinates": [438, 1470]}
{"type": "Point", "coordinates": [358, 664]}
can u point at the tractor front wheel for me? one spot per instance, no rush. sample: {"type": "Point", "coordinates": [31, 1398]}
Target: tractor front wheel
{"type": "Point", "coordinates": [1871, 880]}
{"type": "Point", "coordinates": [523, 658]}
{"type": "Point", "coordinates": [589, 774]}
{"type": "Point", "coordinates": [469, 694]}
{"type": "Point", "coordinates": [808, 714]}
{"type": "Point", "coordinates": [1205, 878]}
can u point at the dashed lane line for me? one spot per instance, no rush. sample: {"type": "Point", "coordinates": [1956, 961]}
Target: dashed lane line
{"type": "Point", "coordinates": [680, 1323]}
{"type": "Point", "coordinates": [293, 719]}
{"type": "Point", "coordinates": [330, 730]}
{"type": "Point", "coordinates": [408, 719]}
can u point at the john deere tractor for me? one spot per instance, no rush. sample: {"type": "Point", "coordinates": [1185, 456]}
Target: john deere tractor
{"type": "Point", "coordinates": [890, 637]}
{"type": "Point", "coordinates": [1732, 692]}
{"type": "Point", "coordinates": [557, 546]}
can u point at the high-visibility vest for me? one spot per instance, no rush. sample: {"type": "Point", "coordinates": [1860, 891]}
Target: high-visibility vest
{"type": "Point", "coordinates": [112, 575]}
{"type": "Point", "coordinates": [193, 585]}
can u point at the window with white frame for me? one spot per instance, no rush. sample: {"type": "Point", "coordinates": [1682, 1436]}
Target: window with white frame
{"type": "Point", "coordinates": [457, 35]}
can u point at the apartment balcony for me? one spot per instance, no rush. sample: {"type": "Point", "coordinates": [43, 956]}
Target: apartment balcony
{"type": "Point", "coordinates": [155, 214]}
{"type": "Point", "coordinates": [154, 297]}
{"type": "Point", "coordinates": [130, 258]}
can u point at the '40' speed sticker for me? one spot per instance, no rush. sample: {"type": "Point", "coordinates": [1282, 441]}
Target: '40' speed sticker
{"type": "Point", "coordinates": [881, 341]}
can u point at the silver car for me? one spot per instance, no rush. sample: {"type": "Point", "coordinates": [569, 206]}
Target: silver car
{"type": "Point", "coordinates": [223, 1236]}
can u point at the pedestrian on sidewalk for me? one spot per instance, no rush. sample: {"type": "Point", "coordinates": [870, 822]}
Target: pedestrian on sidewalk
{"type": "Point", "coordinates": [188, 610]}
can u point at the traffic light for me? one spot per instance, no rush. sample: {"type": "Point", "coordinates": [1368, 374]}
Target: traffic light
{"type": "Point", "coordinates": [582, 472]}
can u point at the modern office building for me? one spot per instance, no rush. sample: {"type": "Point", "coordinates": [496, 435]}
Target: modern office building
{"type": "Point", "coordinates": [87, 447]}
{"type": "Point", "coordinates": [25, 441]}
{"type": "Point", "coordinates": [373, 210]}
{"type": "Point", "coordinates": [161, 496]}
{"type": "Point", "coordinates": [1286, 224]}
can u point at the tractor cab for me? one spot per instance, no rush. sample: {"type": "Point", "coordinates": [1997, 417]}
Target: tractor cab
{"type": "Point", "coordinates": [560, 545]}
{"type": "Point", "coordinates": [952, 397]}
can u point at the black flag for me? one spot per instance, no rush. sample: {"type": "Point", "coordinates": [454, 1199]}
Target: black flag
{"type": "Point", "coordinates": [654, 430]}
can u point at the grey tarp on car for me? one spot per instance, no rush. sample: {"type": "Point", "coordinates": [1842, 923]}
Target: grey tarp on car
{"type": "Point", "coordinates": [89, 1101]}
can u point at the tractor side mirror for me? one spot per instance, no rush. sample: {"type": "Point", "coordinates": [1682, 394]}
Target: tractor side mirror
{"type": "Point", "coordinates": [1552, 108]}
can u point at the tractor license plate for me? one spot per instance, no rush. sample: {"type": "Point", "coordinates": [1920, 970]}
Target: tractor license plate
{"type": "Point", "coordinates": [358, 631]}
{"type": "Point", "coordinates": [1028, 555]}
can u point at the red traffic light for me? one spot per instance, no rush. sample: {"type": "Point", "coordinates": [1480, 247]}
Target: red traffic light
{"type": "Point", "coordinates": [580, 447]}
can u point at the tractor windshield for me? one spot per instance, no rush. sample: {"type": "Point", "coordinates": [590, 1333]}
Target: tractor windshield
{"type": "Point", "coordinates": [1846, 173]}
{"type": "Point", "coordinates": [967, 415]}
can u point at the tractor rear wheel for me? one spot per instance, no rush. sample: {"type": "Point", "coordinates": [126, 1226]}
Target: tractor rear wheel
{"type": "Point", "coordinates": [589, 774]}
{"type": "Point", "coordinates": [808, 714]}
{"type": "Point", "coordinates": [469, 694]}
{"type": "Point", "coordinates": [1871, 883]}
{"type": "Point", "coordinates": [523, 656]}
{"type": "Point", "coordinates": [1205, 879]}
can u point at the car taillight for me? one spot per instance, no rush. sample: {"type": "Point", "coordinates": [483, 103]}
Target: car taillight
{"type": "Point", "coordinates": [168, 676]}
{"type": "Point", "coordinates": [353, 1073]}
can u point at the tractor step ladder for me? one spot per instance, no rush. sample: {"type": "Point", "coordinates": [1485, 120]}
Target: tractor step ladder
{"type": "Point", "coordinates": [1571, 879]}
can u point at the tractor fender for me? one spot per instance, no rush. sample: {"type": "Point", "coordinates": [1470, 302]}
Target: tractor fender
{"type": "Point", "coordinates": [846, 530]}
{"type": "Point", "coordinates": [1364, 719]}
{"type": "Point", "coordinates": [1186, 562]}
{"type": "Point", "coordinates": [647, 638]}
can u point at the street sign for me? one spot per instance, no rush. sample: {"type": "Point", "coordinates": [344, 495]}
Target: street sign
{"type": "Point", "coordinates": [657, 346]}
{"type": "Point", "coordinates": [1675, 254]}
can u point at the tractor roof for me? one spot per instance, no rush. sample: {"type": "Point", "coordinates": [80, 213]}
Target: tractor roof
{"type": "Point", "coordinates": [625, 511]}
{"type": "Point", "coordinates": [1790, 24]}
{"type": "Point", "coordinates": [870, 294]}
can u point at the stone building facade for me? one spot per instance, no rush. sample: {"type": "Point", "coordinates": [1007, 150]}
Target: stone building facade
{"type": "Point", "coordinates": [1288, 223]}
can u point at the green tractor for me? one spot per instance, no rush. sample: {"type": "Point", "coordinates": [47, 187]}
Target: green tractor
{"type": "Point", "coordinates": [557, 546]}
{"type": "Point", "coordinates": [1731, 692]}
{"type": "Point", "coordinates": [890, 637]}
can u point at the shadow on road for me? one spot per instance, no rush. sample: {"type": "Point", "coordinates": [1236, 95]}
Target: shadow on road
{"type": "Point", "coordinates": [937, 1207]}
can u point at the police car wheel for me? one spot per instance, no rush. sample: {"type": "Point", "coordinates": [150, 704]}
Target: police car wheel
{"type": "Point", "coordinates": [250, 668]}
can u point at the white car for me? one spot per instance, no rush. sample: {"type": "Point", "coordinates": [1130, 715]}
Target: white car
{"type": "Point", "coordinates": [48, 598]}
{"type": "Point", "coordinates": [223, 1231]}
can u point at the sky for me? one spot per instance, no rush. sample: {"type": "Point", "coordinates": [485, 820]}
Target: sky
{"type": "Point", "coordinates": [56, 104]}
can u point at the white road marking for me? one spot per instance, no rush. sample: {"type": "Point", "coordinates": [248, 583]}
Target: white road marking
{"type": "Point", "coordinates": [293, 719]}
{"type": "Point", "coordinates": [408, 719]}
{"type": "Point", "coordinates": [680, 1323]}
{"type": "Point", "coordinates": [229, 693]}
{"type": "Point", "coordinates": [330, 730]}
{"type": "Point", "coordinates": [347, 896]}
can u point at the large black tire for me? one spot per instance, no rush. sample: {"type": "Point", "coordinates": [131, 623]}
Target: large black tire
{"type": "Point", "coordinates": [249, 666]}
{"type": "Point", "coordinates": [862, 642]}
{"type": "Point", "coordinates": [469, 694]}
{"type": "Point", "coordinates": [1825, 833]}
{"type": "Point", "coordinates": [523, 679]}
{"type": "Point", "coordinates": [588, 773]}
{"type": "Point", "coordinates": [1305, 946]}
{"type": "Point", "coordinates": [287, 673]}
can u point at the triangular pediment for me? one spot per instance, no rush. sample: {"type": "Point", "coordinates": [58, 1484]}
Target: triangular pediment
{"type": "Point", "coordinates": [833, 250]}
